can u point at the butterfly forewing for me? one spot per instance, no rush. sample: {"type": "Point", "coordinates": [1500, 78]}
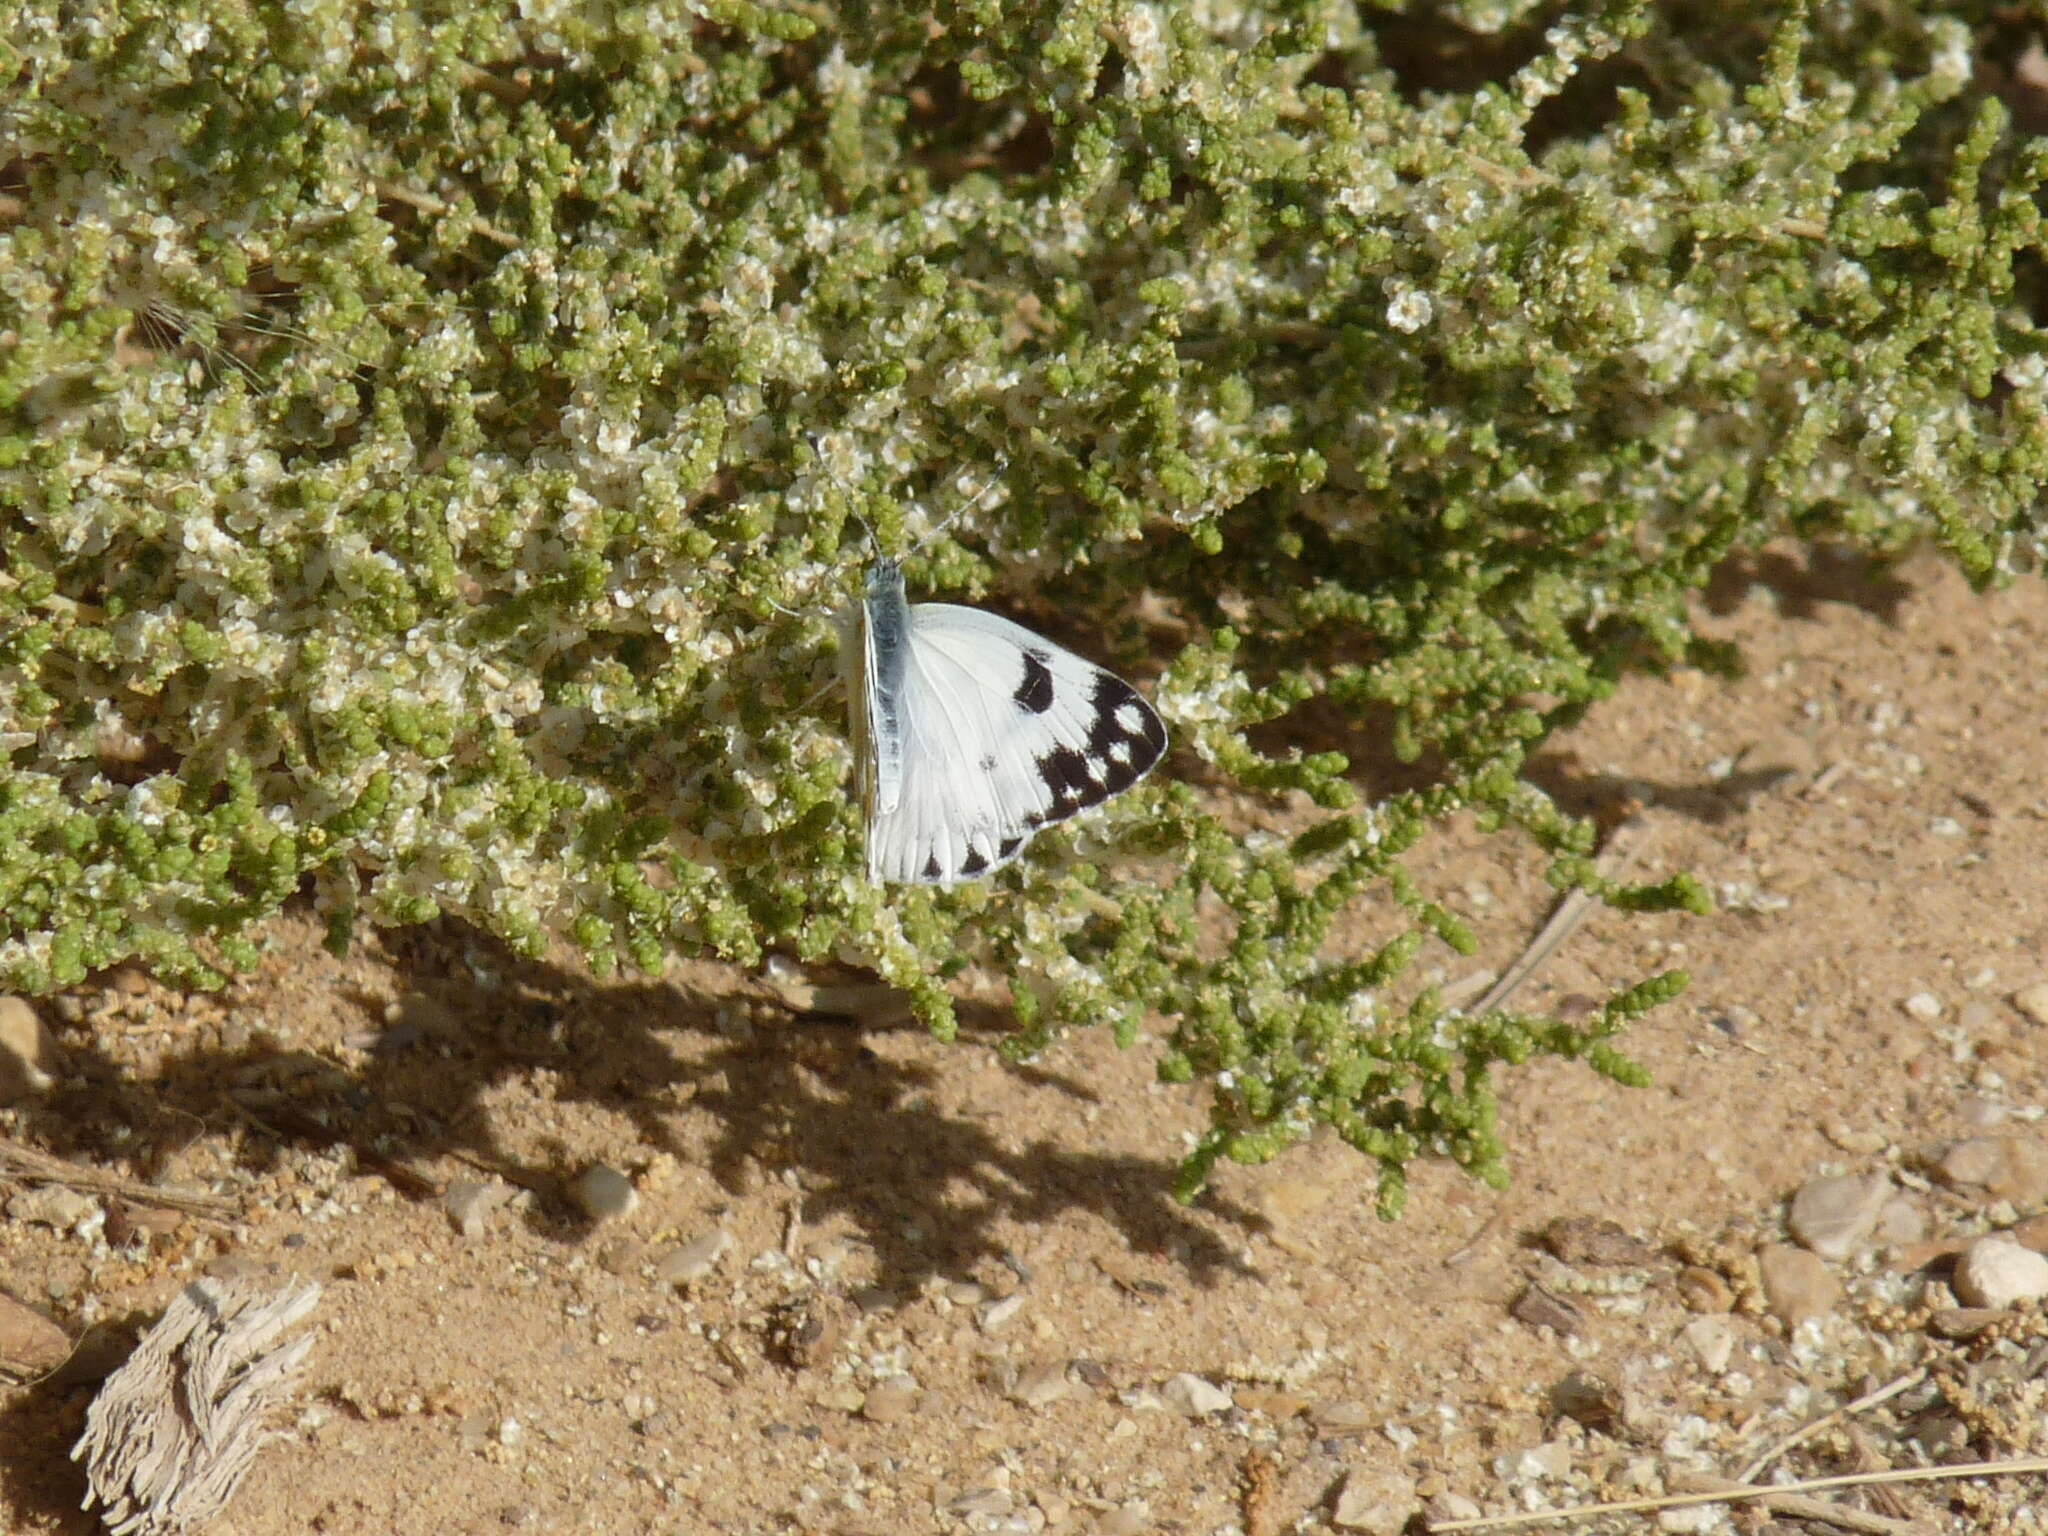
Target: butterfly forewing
{"type": "Point", "coordinates": [997, 733]}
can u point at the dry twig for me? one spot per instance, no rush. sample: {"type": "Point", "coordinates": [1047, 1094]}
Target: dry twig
{"type": "Point", "coordinates": [1624, 847]}
{"type": "Point", "coordinates": [1889, 1390]}
{"type": "Point", "coordinates": [1768, 1494]}
{"type": "Point", "coordinates": [29, 1165]}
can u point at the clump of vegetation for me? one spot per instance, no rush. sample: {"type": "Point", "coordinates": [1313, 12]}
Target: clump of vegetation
{"type": "Point", "coordinates": [433, 445]}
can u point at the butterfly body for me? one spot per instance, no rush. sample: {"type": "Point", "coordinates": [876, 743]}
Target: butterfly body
{"type": "Point", "coordinates": [973, 733]}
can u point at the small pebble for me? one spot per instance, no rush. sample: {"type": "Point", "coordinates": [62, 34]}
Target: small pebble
{"type": "Point", "coordinates": [1540, 1308]}
{"type": "Point", "coordinates": [2032, 1000]}
{"type": "Point", "coordinates": [1095, 1374]}
{"type": "Point", "coordinates": [1692, 1520]}
{"type": "Point", "coordinates": [603, 1193]}
{"type": "Point", "coordinates": [1546, 1462]}
{"type": "Point", "coordinates": [1046, 1382]}
{"type": "Point", "coordinates": [1712, 1341]}
{"type": "Point", "coordinates": [1447, 1506]}
{"type": "Point", "coordinates": [1995, 1271]}
{"type": "Point", "coordinates": [1863, 1143]}
{"type": "Point", "coordinates": [52, 1206]}
{"type": "Point", "coordinates": [469, 1202]}
{"type": "Point", "coordinates": [2013, 1168]}
{"type": "Point", "coordinates": [1589, 1400]}
{"type": "Point", "coordinates": [1595, 1240]}
{"type": "Point", "coordinates": [1377, 1500]}
{"type": "Point", "coordinates": [694, 1259]}
{"type": "Point", "coordinates": [1337, 1419]}
{"type": "Point", "coordinates": [982, 1504]}
{"type": "Point", "coordinates": [30, 1344]}
{"type": "Point", "coordinates": [1276, 1403]}
{"type": "Point", "coordinates": [1913, 1257]}
{"type": "Point", "coordinates": [1901, 1222]}
{"type": "Point", "coordinates": [1970, 1164]}
{"type": "Point", "coordinates": [30, 1058]}
{"type": "Point", "coordinates": [1797, 1285]}
{"type": "Point", "coordinates": [891, 1399]}
{"type": "Point", "coordinates": [997, 1315]}
{"type": "Point", "coordinates": [1963, 1322]}
{"type": "Point", "coordinates": [1834, 1217]}
{"type": "Point", "coordinates": [1924, 1006]}
{"type": "Point", "coordinates": [1740, 1020]}
{"type": "Point", "coordinates": [1189, 1394]}
{"type": "Point", "coordinates": [1127, 1520]}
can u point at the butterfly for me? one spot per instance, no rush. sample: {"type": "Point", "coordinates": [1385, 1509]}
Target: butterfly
{"type": "Point", "coordinates": [972, 734]}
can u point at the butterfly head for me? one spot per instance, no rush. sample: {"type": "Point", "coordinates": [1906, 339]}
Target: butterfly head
{"type": "Point", "coordinates": [885, 581]}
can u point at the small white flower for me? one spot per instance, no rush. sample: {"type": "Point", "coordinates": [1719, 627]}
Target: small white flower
{"type": "Point", "coordinates": [1410, 309]}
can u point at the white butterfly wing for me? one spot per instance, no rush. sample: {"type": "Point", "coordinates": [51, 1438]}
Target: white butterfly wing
{"type": "Point", "coordinates": [1002, 733]}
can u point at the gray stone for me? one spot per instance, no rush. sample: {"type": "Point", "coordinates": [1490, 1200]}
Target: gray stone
{"type": "Point", "coordinates": [1046, 1382]}
{"type": "Point", "coordinates": [1797, 1285]}
{"type": "Point", "coordinates": [469, 1202]}
{"type": "Point", "coordinates": [1377, 1500]}
{"type": "Point", "coordinates": [694, 1259]}
{"type": "Point", "coordinates": [1191, 1395]}
{"type": "Point", "coordinates": [603, 1193]}
{"type": "Point", "coordinates": [1834, 1217]}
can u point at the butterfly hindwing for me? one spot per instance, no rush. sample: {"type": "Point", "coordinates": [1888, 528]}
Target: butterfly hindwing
{"type": "Point", "coordinates": [997, 734]}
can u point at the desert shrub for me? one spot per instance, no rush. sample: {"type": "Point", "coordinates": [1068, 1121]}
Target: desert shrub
{"type": "Point", "coordinates": [435, 443]}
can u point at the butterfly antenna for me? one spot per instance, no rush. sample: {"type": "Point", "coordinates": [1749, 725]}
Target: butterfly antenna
{"type": "Point", "coordinates": [987, 498]}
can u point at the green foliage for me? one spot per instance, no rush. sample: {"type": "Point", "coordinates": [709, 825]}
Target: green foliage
{"type": "Point", "coordinates": [432, 444]}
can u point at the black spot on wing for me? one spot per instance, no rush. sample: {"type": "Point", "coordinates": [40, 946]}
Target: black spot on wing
{"type": "Point", "coordinates": [931, 867]}
{"type": "Point", "coordinates": [1007, 848]}
{"type": "Point", "coordinates": [1073, 779]}
{"type": "Point", "coordinates": [974, 863]}
{"type": "Point", "coordinates": [1125, 738]}
{"type": "Point", "coordinates": [1125, 735]}
{"type": "Point", "coordinates": [1035, 692]}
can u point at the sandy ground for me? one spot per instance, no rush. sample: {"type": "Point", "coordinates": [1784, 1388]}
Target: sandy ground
{"type": "Point", "coordinates": [956, 1295]}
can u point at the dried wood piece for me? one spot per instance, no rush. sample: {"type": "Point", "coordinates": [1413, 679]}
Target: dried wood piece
{"type": "Point", "coordinates": [172, 1432]}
